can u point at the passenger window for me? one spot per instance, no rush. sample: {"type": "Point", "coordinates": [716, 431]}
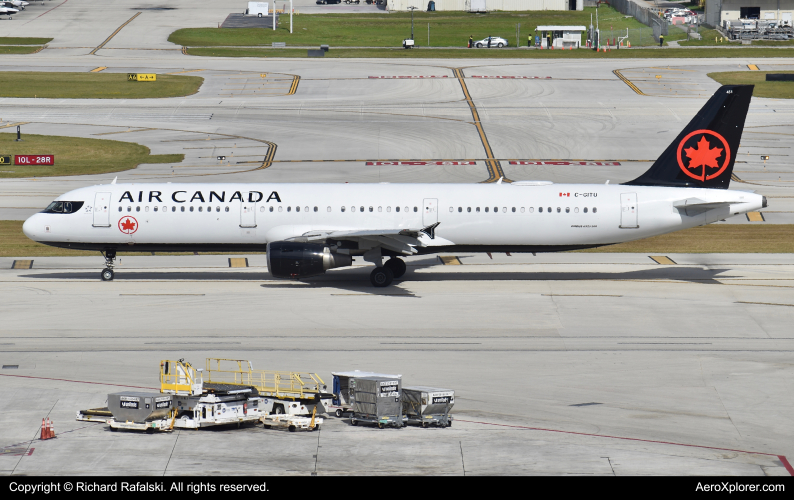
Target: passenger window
{"type": "Point", "coordinates": [316, 209]}
{"type": "Point", "coordinates": [371, 209]}
{"type": "Point", "coordinates": [460, 209]}
{"type": "Point", "coordinates": [297, 209]}
{"type": "Point", "coordinates": [407, 209]}
{"type": "Point", "coordinates": [559, 210]}
{"type": "Point", "coordinates": [514, 209]}
{"type": "Point", "coordinates": [217, 209]}
{"type": "Point", "coordinates": [261, 209]}
{"type": "Point", "coordinates": [576, 210]}
{"type": "Point", "coordinates": [280, 209]}
{"type": "Point", "coordinates": [540, 209]}
{"type": "Point", "coordinates": [495, 209]}
{"type": "Point", "coordinates": [289, 209]}
{"type": "Point", "coordinates": [352, 209]}
{"type": "Point", "coordinates": [191, 209]}
{"type": "Point", "coordinates": [119, 209]}
{"type": "Point", "coordinates": [468, 209]}
{"type": "Point", "coordinates": [585, 209]}
{"type": "Point", "coordinates": [396, 209]}
{"type": "Point", "coordinates": [567, 210]}
{"type": "Point", "coordinates": [306, 209]}
{"type": "Point", "coordinates": [522, 210]}
{"type": "Point", "coordinates": [173, 209]}
{"type": "Point", "coordinates": [271, 209]}
{"type": "Point", "coordinates": [416, 209]}
{"type": "Point", "coordinates": [595, 210]}
{"type": "Point", "coordinates": [129, 209]}
{"type": "Point", "coordinates": [226, 209]}
{"type": "Point", "coordinates": [531, 209]}
{"type": "Point", "coordinates": [165, 209]}
{"type": "Point", "coordinates": [155, 208]}
{"type": "Point", "coordinates": [137, 209]}
{"type": "Point", "coordinates": [201, 209]}
{"type": "Point", "coordinates": [361, 209]}
{"type": "Point", "coordinates": [388, 209]}
{"type": "Point", "coordinates": [183, 208]}
{"type": "Point", "coordinates": [380, 209]}
{"type": "Point", "coordinates": [343, 209]}
{"type": "Point", "coordinates": [486, 209]}
{"type": "Point", "coordinates": [329, 209]}
{"type": "Point", "coordinates": [477, 209]}
{"type": "Point", "coordinates": [451, 209]}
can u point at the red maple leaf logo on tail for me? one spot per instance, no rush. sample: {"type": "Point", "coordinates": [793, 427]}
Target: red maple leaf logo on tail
{"type": "Point", "coordinates": [704, 156]}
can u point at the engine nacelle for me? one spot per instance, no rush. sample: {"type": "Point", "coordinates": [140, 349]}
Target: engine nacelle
{"type": "Point", "coordinates": [293, 260]}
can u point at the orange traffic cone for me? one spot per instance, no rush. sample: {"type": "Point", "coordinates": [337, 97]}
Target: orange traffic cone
{"type": "Point", "coordinates": [43, 429]}
{"type": "Point", "coordinates": [629, 44]}
{"type": "Point", "coordinates": [52, 428]}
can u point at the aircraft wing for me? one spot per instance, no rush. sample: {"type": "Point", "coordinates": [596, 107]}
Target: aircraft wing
{"type": "Point", "coordinates": [404, 240]}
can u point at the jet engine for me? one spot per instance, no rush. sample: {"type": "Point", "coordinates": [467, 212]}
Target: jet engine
{"type": "Point", "coordinates": [293, 260]}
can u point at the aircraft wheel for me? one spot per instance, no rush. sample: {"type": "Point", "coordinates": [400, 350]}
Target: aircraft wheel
{"type": "Point", "coordinates": [397, 266]}
{"type": "Point", "coordinates": [381, 277]}
{"type": "Point", "coordinates": [353, 421]}
{"type": "Point", "coordinates": [292, 428]}
{"type": "Point", "coordinates": [107, 275]}
{"type": "Point", "coordinates": [338, 413]}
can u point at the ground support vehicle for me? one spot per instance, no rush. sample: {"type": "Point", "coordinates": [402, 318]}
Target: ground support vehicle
{"type": "Point", "coordinates": [291, 422]}
{"type": "Point", "coordinates": [94, 415]}
{"type": "Point", "coordinates": [428, 406]}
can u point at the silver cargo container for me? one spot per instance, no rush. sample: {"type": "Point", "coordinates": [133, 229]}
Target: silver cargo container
{"type": "Point", "coordinates": [133, 406]}
{"type": "Point", "coordinates": [377, 400]}
{"type": "Point", "coordinates": [428, 405]}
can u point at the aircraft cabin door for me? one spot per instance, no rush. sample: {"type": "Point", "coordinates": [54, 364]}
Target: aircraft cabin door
{"type": "Point", "coordinates": [628, 210]}
{"type": "Point", "coordinates": [247, 213]}
{"type": "Point", "coordinates": [102, 210]}
{"type": "Point", "coordinates": [430, 214]}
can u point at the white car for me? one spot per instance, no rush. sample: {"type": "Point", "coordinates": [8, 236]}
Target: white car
{"type": "Point", "coordinates": [18, 3]}
{"type": "Point", "coordinates": [495, 42]}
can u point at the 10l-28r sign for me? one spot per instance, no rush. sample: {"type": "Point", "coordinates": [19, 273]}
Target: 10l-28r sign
{"type": "Point", "coordinates": [34, 160]}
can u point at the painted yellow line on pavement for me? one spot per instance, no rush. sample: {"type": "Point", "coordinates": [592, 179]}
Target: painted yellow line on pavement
{"type": "Point", "coordinates": [755, 217]}
{"type": "Point", "coordinates": [294, 87]}
{"type": "Point", "coordinates": [238, 262]}
{"type": "Point", "coordinates": [186, 71]}
{"type": "Point", "coordinates": [22, 264]}
{"type": "Point", "coordinates": [495, 171]}
{"type": "Point", "coordinates": [125, 131]}
{"type": "Point", "coordinates": [97, 70]}
{"type": "Point", "coordinates": [93, 52]}
{"type": "Point", "coordinates": [628, 82]}
{"type": "Point", "coordinates": [663, 259]}
{"type": "Point", "coordinates": [752, 67]}
{"type": "Point", "coordinates": [7, 125]}
{"type": "Point", "coordinates": [449, 260]}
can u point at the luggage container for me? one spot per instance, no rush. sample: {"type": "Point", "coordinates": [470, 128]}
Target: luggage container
{"type": "Point", "coordinates": [428, 406]}
{"type": "Point", "coordinates": [342, 395]}
{"type": "Point", "coordinates": [139, 407]}
{"type": "Point", "coordinates": [377, 400]}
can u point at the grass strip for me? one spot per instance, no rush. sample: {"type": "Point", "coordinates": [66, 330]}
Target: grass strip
{"type": "Point", "coordinates": [447, 29]}
{"type": "Point", "coordinates": [18, 50]}
{"type": "Point", "coordinates": [18, 40]}
{"type": "Point", "coordinates": [76, 155]}
{"type": "Point", "coordinates": [57, 85]}
{"type": "Point", "coordinates": [714, 238]}
{"type": "Point", "coordinates": [720, 238]}
{"type": "Point", "coordinates": [399, 53]}
{"type": "Point", "coordinates": [763, 88]}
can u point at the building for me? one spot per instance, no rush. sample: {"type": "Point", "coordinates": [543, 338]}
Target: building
{"type": "Point", "coordinates": [490, 5]}
{"type": "Point", "coordinates": [561, 37]}
{"type": "Point", "coordinates": [718, 11]}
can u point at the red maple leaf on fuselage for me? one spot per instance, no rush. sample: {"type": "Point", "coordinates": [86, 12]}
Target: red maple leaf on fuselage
{"type": "Point", "coordinates": [128, 225]}
{"type": "Point", "coordinates": [703, 155]}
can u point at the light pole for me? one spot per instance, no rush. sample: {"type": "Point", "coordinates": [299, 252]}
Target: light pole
{"type": "Point", "coordinates": [412, 9]}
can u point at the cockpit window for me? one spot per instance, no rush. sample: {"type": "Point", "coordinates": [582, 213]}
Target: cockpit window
{"type": "Point", "coordinates": [63, 207]}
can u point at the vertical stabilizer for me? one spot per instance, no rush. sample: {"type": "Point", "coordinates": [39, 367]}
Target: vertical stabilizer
{"type": "Point", "coordinates": [704, 152]}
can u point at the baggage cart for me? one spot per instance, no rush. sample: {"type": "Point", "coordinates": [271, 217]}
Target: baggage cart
{"type": "Point", "coordinates": [428, 406]}
{"type": "Point", "coordinates": [341, 403]}
{"type": "Point", "coordinates": [377, 400]}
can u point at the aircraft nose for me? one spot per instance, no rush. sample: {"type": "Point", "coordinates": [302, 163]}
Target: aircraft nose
{"type": "Point", "coordinates": [33, 227]}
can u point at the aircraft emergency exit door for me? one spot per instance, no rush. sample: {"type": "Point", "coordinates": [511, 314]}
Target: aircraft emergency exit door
{"type": "Point", "coordinates": [628, 210]}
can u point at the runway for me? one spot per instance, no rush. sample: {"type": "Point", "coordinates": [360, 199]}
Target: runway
{"type": "Point", "coordinates": [575, 363]}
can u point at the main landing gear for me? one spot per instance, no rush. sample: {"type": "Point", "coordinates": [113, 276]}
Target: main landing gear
{"type": "Point", "coordinates": [107, 273]}
{"type": "Point", "coordinates": [383, 276]}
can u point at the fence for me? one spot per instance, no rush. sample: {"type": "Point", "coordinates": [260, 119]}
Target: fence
{"type": "Point", "coordinates": [641, 14]}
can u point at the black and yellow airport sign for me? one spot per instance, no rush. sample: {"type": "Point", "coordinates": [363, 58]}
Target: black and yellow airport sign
{"type": "Point", "coordinates": [5, 160]}
{"type": "Point", "coordinates": [141, 77]}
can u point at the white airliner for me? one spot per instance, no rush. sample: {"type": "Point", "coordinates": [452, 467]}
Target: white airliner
{"type": "Point", "coordinates": [307, 229]}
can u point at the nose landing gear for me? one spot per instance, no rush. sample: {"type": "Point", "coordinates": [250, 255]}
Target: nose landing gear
{"type": "Point", "coordinates": [107, 273]}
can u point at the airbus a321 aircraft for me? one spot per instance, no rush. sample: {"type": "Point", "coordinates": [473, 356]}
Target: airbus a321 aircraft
{"type": "Point", "coordinates": [307, 229]}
